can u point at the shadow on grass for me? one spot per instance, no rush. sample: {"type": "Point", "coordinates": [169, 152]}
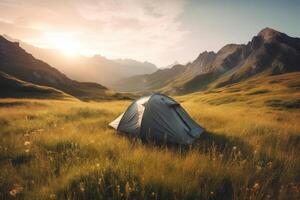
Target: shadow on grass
{"type": "Point", "coordinates": [21, 159]}
{"type": "Point", "coordinates": [12, 104]}
{"type": "Point", "coordinates": [221, 143]}
{"type": "Point", "coordinates": [206, 143]}
{"type": "Point", "coordinates": [19, 103]}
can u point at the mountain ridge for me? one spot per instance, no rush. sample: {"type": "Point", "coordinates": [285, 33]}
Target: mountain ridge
{"type": "Point", "coordinates": [97, 68]}
{"type": "Point", "coordinates": [270, 51]}
{"type": "Point", "coordinates": [17, 63]}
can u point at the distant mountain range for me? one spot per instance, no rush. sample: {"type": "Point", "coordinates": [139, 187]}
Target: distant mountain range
{"type": "Point", "coordinates": [96, 69]}
{"type": "Point", "coordinates": [268, 53]}
{"type": "Point", "coordinates": [18, 67]}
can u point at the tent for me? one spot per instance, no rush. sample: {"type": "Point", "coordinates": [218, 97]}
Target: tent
{"type": "Point", "coordinates": [159, 118]}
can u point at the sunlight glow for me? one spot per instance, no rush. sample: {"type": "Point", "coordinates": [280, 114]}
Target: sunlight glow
{"type": "Point", "coordinates": [63, 43]}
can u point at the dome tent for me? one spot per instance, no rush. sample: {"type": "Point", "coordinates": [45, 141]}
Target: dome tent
{"type": "Point", "coordinates": [159, 118]}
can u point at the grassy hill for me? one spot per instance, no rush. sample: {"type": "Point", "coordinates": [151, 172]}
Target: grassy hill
{"type": "Point", "coordinates": [53, 149]}
{"type": "Point", "coordinates": [12, 87]}
{"type": "Point", "coordinates": [279, 92]}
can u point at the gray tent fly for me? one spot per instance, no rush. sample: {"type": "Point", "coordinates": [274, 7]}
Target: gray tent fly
{"type": "Point", "coordinates": [159, 118]}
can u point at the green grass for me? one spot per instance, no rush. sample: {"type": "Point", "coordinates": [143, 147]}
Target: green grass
{"type": "Point", "coordinates": [51, 149]}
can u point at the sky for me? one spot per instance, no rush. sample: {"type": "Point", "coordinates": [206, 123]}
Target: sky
{"type": "Point", "coordinates": [158, 31]}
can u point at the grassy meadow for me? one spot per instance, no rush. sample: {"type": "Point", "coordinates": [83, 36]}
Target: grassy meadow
{"type": "Point", "coordinates": [63, 149]}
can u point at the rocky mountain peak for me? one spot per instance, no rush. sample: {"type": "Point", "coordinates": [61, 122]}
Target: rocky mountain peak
{"type": "Point", "coordinates": [269, 34]}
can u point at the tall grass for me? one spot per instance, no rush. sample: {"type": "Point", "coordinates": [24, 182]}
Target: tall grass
{"type": "Point", "coordinates": [65, 150]}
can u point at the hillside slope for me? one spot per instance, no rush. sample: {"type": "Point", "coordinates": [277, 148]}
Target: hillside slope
{"type": "Point", "coordinates": [18, 63]}
{"type": "Point", "coordinates": [11, 87]}
{"type": "Point", "coordinates": [148, 82]}
{"type": "Point", "coordinates": [280, 92]}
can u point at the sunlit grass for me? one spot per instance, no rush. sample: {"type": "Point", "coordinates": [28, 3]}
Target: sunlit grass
{"type": "Point", "coordinates": [65, 150]}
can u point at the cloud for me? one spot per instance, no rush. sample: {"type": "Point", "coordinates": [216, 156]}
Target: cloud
{"type": "Point", "coordinates": [139, 29]}
{"type": "Point", "coordinates": [144, 29]}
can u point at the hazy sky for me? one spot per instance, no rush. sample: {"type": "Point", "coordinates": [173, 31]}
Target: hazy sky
{"type": "Point", "coordinates": [159, 31]}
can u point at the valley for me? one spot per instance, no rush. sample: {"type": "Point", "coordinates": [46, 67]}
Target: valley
{"type": "Point", "coordinates": [56, 143]}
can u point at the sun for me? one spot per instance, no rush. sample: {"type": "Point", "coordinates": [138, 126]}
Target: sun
{"type": "Point", "coordinates": [63, 43]}
{"type": "Point", "coordinates": [68, 48]}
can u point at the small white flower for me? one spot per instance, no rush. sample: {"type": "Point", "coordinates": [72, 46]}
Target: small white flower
{"type": "Point", "coordinates": [256, 186]}
{"type": "Point", "coordinates": [52, 196]}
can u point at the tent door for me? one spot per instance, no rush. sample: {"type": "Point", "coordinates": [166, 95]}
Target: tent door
{"type": "Point", "coordinates": [178, 111]}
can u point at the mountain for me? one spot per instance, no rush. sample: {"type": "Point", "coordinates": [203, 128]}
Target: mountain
{"type": "Point", "coordinates": [171, 65]}
{"type": "Point", "coordinates": [12, 87]}
{"type": "Point", "coordinates": [96, 69]}
{"type": "Point", "coordinates": [17, 63]}
{"type": "Point", "coordinates": [268, 53]}
{"type": "Point", "coordinates": [149, 82]}
{"type": "Point", "coordinates": [132, 67]}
